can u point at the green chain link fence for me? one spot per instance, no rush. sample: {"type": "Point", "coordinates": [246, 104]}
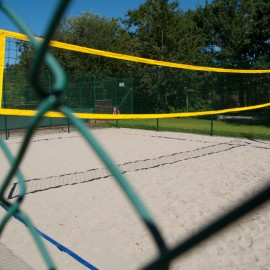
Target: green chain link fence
{"type": "Point", "coordinates": [162, 91]}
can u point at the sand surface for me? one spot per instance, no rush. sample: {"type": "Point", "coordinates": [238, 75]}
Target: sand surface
{"type": "Point", "coordinates": [185, 181]}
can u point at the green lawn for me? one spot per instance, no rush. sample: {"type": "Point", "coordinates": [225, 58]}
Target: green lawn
{"type": "Point", "coordinates": [199, 126]}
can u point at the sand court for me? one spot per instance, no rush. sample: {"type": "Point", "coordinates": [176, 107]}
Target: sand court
{"type": "Point", "coordinates": [185, 180]}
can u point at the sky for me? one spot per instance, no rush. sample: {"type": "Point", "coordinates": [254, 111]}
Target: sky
{"type": "Point", "coordinates": [36, 13]}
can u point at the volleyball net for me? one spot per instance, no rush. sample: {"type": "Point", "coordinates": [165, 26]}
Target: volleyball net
{"type": "Point", "coordinates": [51, 102]}
{"type": "Point", "coordinates": [172, 90]}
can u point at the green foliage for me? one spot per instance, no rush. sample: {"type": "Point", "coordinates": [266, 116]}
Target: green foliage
{"type": "Point", "coordinates": [160, 30]}
{"type": "Point", "coordinates": [93, 31]}
{"type": "Point", "coordinates": [18, 93]}
{"type": "Point", "coordinates": [14, 84]}
{"type": "Point", "coordinates": [235, 29]}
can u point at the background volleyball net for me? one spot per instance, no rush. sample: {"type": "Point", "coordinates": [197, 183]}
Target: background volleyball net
{"type": "Point", "coordinates": [170, 88]}
{"type": "Point", "coordinates": [155, 99]}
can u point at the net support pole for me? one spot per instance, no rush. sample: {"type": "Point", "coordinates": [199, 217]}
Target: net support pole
{"type": "Point", "coordinates": [2, 64]}
{"type": "Point", "coordinates": [3, 101]}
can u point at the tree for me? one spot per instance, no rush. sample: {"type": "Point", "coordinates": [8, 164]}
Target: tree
{"type": "Point", "coordinates": [236, 30]}
{"type": "Point", "coordinates": [161, 30]}
{"type": "Point", "coordinates": [92, 31]}
{"type": "Point", "coordinates": [238, 36]}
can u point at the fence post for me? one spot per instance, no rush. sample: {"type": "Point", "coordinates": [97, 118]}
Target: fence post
{"type": "Point", "coordinates": [94, 86]}
{"type": "Point", "coordinates": [68, 126]}
{"type": "Point", "coordinates": [94, 82]}
{"type": "Point", "coordinates": [4, 104]}
{"type": "Point", "coordinates": [6, 128]}
{"type": "Point", "coordinates": [49, 88]}
{"type": "Point", "coordinates": [157, 85]}
{"type": "Point", "coordinates": [132, 96]}
{"type": "Point", "coordinates": [212, 104]}
{"type": "Point", "coordinates": [116, 99]}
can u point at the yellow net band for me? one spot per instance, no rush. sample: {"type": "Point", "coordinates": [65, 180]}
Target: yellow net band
{"type": "Point", "coordinates": [131, 58]}
{"type": "Point", "coordinates": [13, 112]}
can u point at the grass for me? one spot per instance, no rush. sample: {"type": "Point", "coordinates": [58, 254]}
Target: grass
{"type": "Point", "coordinates": [199, 126]}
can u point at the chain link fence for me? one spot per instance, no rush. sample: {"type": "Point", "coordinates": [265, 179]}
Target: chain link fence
{"type": "Point", "coordinates": [163, 90]}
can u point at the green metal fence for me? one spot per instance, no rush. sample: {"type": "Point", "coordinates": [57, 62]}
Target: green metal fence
{"type": "Point", "coordinates": [156, 91]}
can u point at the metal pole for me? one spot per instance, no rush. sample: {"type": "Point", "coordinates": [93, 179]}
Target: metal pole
{"type": "Point", "coordinates": [187, 104]}
{"type": "Point", "coordinates": [116, 100]}
{"type": "Point", "coordinates": [132, 97]}
{"type": "Point", "coordinates": [94, 95]}
{"type": "Point", "coordinates": [157, 84]}
{"type": "Point", "coordinates": [212, 104]}
{"type": "Point", "coordinates": [6, 129]}
{"type": "Point", "coordinates": [5, 117]}
{"type": "Point", "coordinates": [94, 92]}
{"type": "Point", "coordinates": [49, 88]}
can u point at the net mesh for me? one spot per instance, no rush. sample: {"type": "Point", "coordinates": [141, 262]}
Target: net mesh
{"type": "Point", "coordinates": [52, 100]}
{"type": "Point", "coordinates": [138, 95]}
